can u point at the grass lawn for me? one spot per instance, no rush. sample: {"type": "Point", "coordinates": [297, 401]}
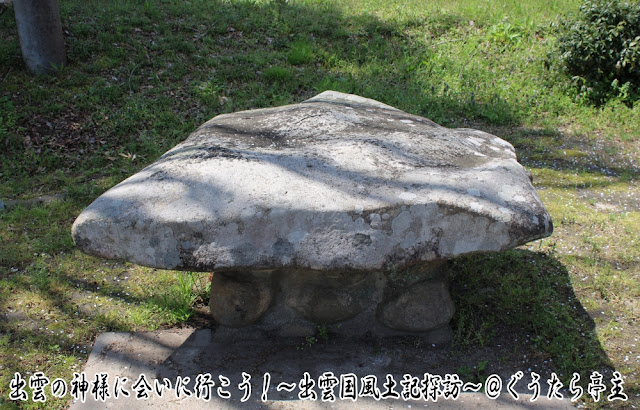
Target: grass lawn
{"type": "Point", "coordinates": [142, 75]}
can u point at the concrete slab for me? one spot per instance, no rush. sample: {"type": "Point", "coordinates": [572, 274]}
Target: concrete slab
{"type": "Point", "coordinates": [169, 356]}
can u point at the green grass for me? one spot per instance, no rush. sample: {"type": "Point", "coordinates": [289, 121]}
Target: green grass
{"type": "Point", "coordinates": [143, 75]}
{"type": "Point", "coordinates": [533, 293]}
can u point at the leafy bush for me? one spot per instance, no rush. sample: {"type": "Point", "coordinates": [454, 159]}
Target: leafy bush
{"type": "Point", "coordinates": [600, 49]}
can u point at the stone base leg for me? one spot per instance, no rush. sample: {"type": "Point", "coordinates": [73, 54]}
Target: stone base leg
{"type": "Point", "coordinates": [421, 307]}
{"type": "Point", "coordinates": [238, 300]}
{"type": "Point", "coordinates": [414, 302]}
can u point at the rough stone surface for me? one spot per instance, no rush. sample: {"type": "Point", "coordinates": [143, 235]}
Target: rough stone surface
{"type": "Point", "coordinates": [190, 353]}
{"type": "Point", "coordinates": [336, 182]}
{"type": "Point", "coordinates": [421, 307]}
{"type": "Point", "coordinates": [328, 298]}
{"type": "Point", "coordinates": [349, 303]}
{"type": "Point", "coordinates": [239, 301]}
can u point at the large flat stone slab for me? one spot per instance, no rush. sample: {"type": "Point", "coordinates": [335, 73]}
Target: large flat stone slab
{"type": "Point", "coordinates": [336, 182]}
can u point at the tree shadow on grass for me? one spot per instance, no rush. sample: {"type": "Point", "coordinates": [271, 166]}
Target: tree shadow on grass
{"type": "Point", "coordinates": [209, 57]}
{"type": "Point", "coordinates": [558, 151]}
{"type": "Point", "coordinates": [523, 304]}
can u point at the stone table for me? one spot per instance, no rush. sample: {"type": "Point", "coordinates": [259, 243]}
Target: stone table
{"type": "Point", "coordinates": [338, 211]}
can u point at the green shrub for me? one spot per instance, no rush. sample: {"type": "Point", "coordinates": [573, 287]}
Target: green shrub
{"type": "Point", "coordinates": [600, 49]}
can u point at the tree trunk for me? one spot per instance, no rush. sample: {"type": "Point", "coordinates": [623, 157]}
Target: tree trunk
{"type": "Point", "coordinates": [40, 33]}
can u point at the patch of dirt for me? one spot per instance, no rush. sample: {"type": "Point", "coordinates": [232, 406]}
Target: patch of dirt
{"type": "Point", "coordinates": [201, 317]}
{"type": "Point", "coordinates": [609, 200]}
{"type": "Point", "coordinates": [67, 132]}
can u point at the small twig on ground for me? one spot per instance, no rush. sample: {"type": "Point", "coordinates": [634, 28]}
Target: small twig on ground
{"type": "Point", "coordinates": [130, 75]}
{"type": "Point", "coordinates": [6, 75]}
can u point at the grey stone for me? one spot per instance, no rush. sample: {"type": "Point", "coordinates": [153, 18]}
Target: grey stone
{"type": "Point", "coordinates": [339, 211]}
{"type": "Point", "coordinates": [330, 297]}
{"type": "Point", "coordinates": [239, 300]}
{"type": "Point", "coordinates": [11, 204]}
{"type": "Point", "coordinates": [346, 303]}
{"type": "Point", "coordinates": [188, 352]}
{"type": "Point", "coordinates": [338, 182]}
{"type": "Point", "coordinates": [421, 307]}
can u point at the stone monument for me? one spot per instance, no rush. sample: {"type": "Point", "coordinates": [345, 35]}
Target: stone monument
{"type": "Point", "coordinates": [338, 211]}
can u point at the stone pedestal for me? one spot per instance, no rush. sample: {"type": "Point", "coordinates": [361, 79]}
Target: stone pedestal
{"type": "Point", "coordinates": [413, 301]}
